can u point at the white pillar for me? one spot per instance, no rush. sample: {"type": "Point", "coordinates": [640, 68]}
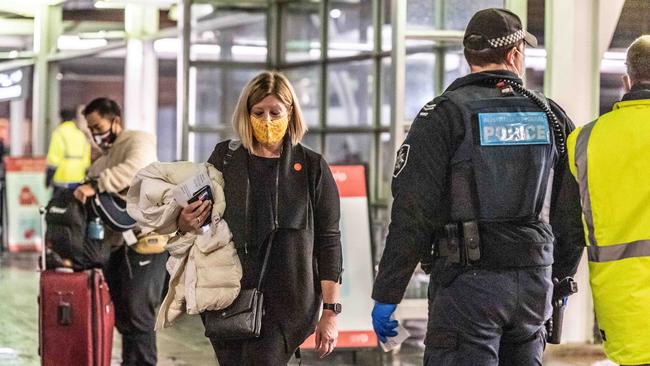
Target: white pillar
{"type": "Point", "coordinates": [141, 69]}
{"type": "Point", "coordinates": [184, 26]}
{"type": "Point", "coordinates": [398, 60]}
{"type": "Point", "coordinates": [47, 28]}
{"type": "Point", "coordinates": [578, 33]}
{"type": "Point", "coordinates": [16, 127]}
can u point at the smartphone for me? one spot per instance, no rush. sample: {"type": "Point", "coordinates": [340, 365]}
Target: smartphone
{"type": "Point", "coordinates": [203, 194]}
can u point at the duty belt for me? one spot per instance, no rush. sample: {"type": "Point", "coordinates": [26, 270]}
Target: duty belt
{"type": "Point", "coordinates": [460, 247]}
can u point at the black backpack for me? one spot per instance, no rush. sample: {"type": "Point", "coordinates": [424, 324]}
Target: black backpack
{"type": "Point", "coordinates": [65, 237]}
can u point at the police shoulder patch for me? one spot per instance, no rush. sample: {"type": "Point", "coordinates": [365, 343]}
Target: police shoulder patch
{"type": "Point", "coordinates": [428, 108]}
{"type": "Point", "coordinates": [401, 159]}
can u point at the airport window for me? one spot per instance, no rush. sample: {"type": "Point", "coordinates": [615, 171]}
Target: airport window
{"type": "Point", "coordinates": [350, 28]}
{"type": "Point", "coordinates": [312, 141]}
{"type": "Point", "coordinates": [302, 28]}
{"type": "Point", "coordinates": [420, 82]}
{"type": "Point", "coordinates": [206, 85]}
{"type": "Point", "coordinates": [350, 90]}
{"type": "Point", "coordinates": [306, 83]}
{"type": "Point", "coordinates": [228, 34]}
{"type": "Point", "coordinates": [217, 92]}
{"type": "Point", "coordinates": [421, 13]}
{"type": "Point", "coordinates": [458, 12]}
{"type": "Point", "coordinates": [348, 148]}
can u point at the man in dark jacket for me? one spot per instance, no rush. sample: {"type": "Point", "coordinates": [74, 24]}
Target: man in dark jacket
{"type": "Point", "coordinates": [483, 176]}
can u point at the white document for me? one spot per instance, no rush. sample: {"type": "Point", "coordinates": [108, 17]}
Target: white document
{"type": "Point", "coordinates": [186, 190]}
{"type": "Point", "coordinates": [393, 342]}
{"type": "Point", "coordinates": [129, 237]}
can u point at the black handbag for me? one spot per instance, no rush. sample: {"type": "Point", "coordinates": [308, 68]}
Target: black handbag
{"type": "Point", "coordinates": [243, 318]}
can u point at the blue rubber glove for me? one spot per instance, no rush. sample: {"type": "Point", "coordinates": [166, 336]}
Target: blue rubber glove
{"type": "Point", "coordinates": [381, 322]}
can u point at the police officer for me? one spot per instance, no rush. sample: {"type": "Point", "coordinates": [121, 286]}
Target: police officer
{"type": "Point", "coordinates": [483, 176]}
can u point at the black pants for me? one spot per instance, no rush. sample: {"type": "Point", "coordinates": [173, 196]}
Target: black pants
{"type": "Point", "coordinates": [269, 349]}
{"type": "Point", "coordinates": [489, 318]}
{"type": "Point", "coordinates": [136, 289]}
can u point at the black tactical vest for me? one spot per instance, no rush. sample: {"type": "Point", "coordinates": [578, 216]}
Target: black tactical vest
{"type": "Point", "coordinates": [501, 174]}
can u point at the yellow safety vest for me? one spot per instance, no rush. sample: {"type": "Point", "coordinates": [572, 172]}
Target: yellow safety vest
{"type": "Point", "coordinates": [610, 159]}
{"type": "Point", "coordinates": [69, 153]}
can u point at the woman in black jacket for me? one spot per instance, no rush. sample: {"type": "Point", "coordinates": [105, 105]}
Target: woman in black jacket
{"type": "Point", "coordinates": [273, 184]}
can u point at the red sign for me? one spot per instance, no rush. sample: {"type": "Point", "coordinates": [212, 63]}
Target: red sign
{"type": "Point", "coordinates": [350, 179]}
{"type": "Point", "coordinates": [35, 164]}
{"type": "Point", "coordinates": [347, 339]}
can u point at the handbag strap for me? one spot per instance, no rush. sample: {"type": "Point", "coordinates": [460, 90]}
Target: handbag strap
{"type": "Point", "coordinates": [232, 146]}
{"type": "Point", "coordinates": [266, 259]}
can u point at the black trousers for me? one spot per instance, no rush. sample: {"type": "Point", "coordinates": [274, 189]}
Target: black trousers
{"type": "Point", "coordinates": [136, 283]}
{"type": "Point", "coordinates": [489, 318]}
{"type": "Point", "coordinates": [270, 349]}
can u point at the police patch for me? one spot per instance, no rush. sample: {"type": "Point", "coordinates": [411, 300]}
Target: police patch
{"type": "Point", "coordinates": [426, 109]}
{"type": "Point", "coordinates": [401, 159]}
{"type": "Point", "coordinates": [516, 128]}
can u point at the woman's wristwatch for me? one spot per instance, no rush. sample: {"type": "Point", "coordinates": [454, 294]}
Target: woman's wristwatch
{"type": "Point", "coordinates": [336, 307]}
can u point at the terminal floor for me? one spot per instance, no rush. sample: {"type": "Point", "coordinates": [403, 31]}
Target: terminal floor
{"type": "Point", "coordinates": [184, 344]}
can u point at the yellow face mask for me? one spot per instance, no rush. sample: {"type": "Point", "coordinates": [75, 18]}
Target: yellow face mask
{"type": "Point", "coordinates": [269, 132]}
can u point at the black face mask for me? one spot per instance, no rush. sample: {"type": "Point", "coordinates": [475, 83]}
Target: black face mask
{"type": "Point", "coordinates": [105, 140]}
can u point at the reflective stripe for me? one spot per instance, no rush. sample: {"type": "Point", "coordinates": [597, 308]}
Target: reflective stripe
{"type": "Point", "coordinates": [640, 248]}
{"type": "Point", "coordinates": [616, 252]}
{"type": "Point", "coordinates": [583, 178]}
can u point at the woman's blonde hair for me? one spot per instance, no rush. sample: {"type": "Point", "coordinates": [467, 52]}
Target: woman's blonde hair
{"type": "Point", "coordinates": [260, 87]}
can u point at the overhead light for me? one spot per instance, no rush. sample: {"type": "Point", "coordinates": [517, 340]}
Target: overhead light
{"type": "Point", "coordinates": [198, 11]}
{"type": "Point", "coordinates": [69, 42]}
{"type": "Point", "coordinates": [111, 34]}
{"type": "Point", "coordinates": [615, 55]}
{"type": "Point", "coordinates": [200, 51]}
{"type": "Point", "coordinates": [10, 85]}
{"type": "Point", "coordinates": [11, 92]}
{"type": "Point", "coordinates": [248, 51]}
{"type": "Point", "coordinates": [335, 13]}
{"type": "Point", "coordinates": [166, 45]}
{"type": "Point", "coordinates": [9, 79]}
{"type": "Point", "coordinates": [121, 4]}
{"type": "Point", "coordinates": [109, 5]}
{"type": "Point", "coordinates": [171, 46]}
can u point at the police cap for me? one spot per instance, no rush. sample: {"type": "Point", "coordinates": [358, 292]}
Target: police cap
{"type": "Point", "coordinates": [494, 28]}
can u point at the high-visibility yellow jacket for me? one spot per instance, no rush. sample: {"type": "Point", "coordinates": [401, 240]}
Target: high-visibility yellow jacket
{"type": "Point", "coordinates": [69, 153]}
{"type": "Point", "coordinates": [610, 159]}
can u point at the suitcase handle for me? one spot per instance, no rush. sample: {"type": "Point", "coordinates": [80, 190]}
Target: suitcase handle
{"type": "Point", "coordinates": [64, 313]}
{"type": "Point", "coordinates": [64, 308]}
{"type": "Point", "coordinates": [42, 211]}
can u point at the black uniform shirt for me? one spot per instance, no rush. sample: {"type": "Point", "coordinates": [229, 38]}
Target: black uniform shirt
{"type": "Point", "coordinates": [420, 190]}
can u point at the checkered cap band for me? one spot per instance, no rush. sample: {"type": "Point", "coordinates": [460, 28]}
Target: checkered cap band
{"type": "Point", "coordinates": [507, 40]}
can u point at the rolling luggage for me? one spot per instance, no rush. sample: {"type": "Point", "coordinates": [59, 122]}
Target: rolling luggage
{"type": "Point", "coordinates": [76, 318]}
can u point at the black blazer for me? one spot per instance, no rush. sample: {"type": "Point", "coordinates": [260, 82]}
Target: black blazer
{"type": "Point", "coordinates": [307, 245]}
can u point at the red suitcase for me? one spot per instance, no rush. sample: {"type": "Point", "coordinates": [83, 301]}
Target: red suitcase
{"type": "Point", "coordinates": [76, 318]}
